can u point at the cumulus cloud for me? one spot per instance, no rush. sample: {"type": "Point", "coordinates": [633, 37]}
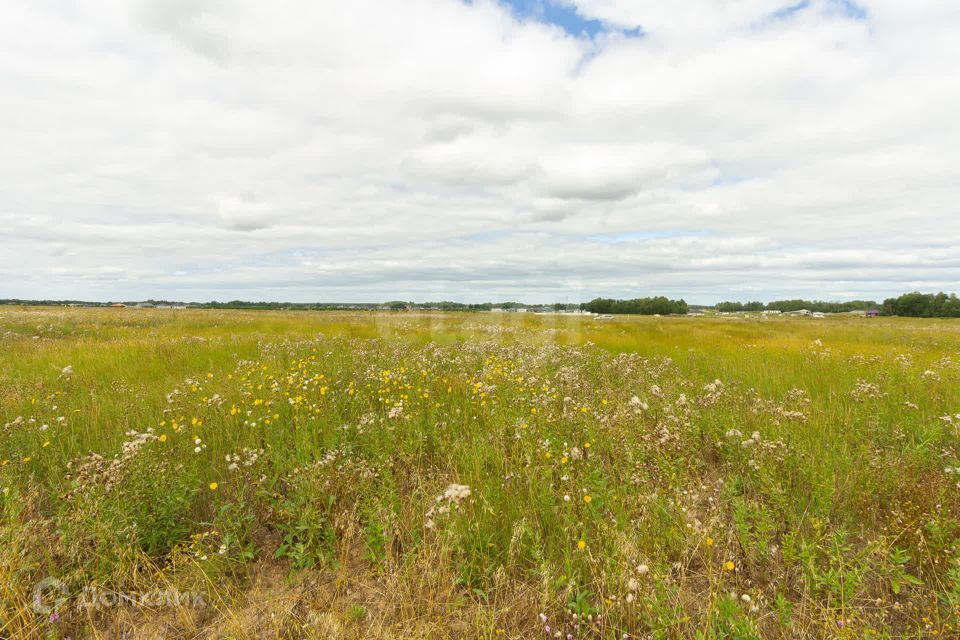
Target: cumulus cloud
{"type": "Point", "coordinates": [468, 150]}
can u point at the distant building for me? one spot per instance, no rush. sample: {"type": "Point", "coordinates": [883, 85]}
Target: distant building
{"type": "Point", "coordinates": [118, 305]}
{"type": "Point", "coordinates": [873, 313]}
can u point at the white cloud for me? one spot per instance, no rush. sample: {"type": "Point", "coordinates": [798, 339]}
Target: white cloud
{"type": "Point", "coordinates": [438, 148]}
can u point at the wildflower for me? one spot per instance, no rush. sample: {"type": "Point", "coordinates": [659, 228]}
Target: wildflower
{"type": "Point", "coordinates": [163, 437]}
{"type": "Point", "coordinates": [582, 544]}
{"type": "Point", "coordinates": [588, 498]}
{"type": "Point", "coordinates": [709, 541]}
{"type": "Point", "coordinates": [566, 498]}
{"type": "Point", "coordinates": [456, 492]}
{"type": "Point", "coordinates": [729, 566]}
{"type": "Point", "coordinates": [213, 486]}
{"type": "Point", "coordinates": [46, 444]}
{"type": "Point", "coordinates": [633, 584]}
{"type": "Point", "coordinates": [197, 449]}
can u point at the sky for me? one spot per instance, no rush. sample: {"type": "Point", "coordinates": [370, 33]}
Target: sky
{"type": "Point", "coordinates": [533, 150]}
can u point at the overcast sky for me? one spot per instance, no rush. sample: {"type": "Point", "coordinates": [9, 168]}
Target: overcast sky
{"type": "Point", "coordinates": [443, 149]}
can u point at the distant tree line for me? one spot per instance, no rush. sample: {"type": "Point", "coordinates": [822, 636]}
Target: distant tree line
{"type": "Point", "coordinates": [796, 305]}
{"type": "Point", "coordinates": [923, 305]}
{"type": "Point", "coordinates": [638, 306]}
{"type": "Point", "coordinates": [915, 304]}
{"type": "Point", "coordinates": [232, 304]}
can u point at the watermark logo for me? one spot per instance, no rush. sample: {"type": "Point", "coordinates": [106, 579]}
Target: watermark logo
{"type": "Point", "coordinates": [49, 595]}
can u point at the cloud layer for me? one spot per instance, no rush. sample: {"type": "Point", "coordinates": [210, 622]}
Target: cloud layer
{"type": "Point", "coordinates": [425, 149]}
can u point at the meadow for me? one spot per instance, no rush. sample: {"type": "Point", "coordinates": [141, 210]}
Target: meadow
{"type": "Point", "coordinates": [229, 474]}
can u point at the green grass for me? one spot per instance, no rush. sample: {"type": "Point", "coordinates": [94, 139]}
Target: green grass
{"type": "Point", "coordinates": [298, 470]}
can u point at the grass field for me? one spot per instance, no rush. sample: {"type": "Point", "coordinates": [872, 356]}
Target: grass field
{"type": "Point", "coordinates": [370, 475]}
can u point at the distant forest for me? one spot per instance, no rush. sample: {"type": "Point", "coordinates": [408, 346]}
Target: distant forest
{"type": "Point", "coordinates": [797, 305]}
{"type": "Point", "coordinates": [916, 305]}
{"type": "Point", "coordinates": [637, 306]}
{"type": "Point", "coordinates": [923, 305]}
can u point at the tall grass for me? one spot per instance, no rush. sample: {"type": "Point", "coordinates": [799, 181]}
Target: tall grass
{"type": "Point", "coordinates": [476, 475]}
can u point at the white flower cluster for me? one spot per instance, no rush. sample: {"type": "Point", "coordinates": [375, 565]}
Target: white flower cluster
{"type": "Point", "coordinates": [449, 499]}
{"type": "Point", "coordinates": [248, 457]}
